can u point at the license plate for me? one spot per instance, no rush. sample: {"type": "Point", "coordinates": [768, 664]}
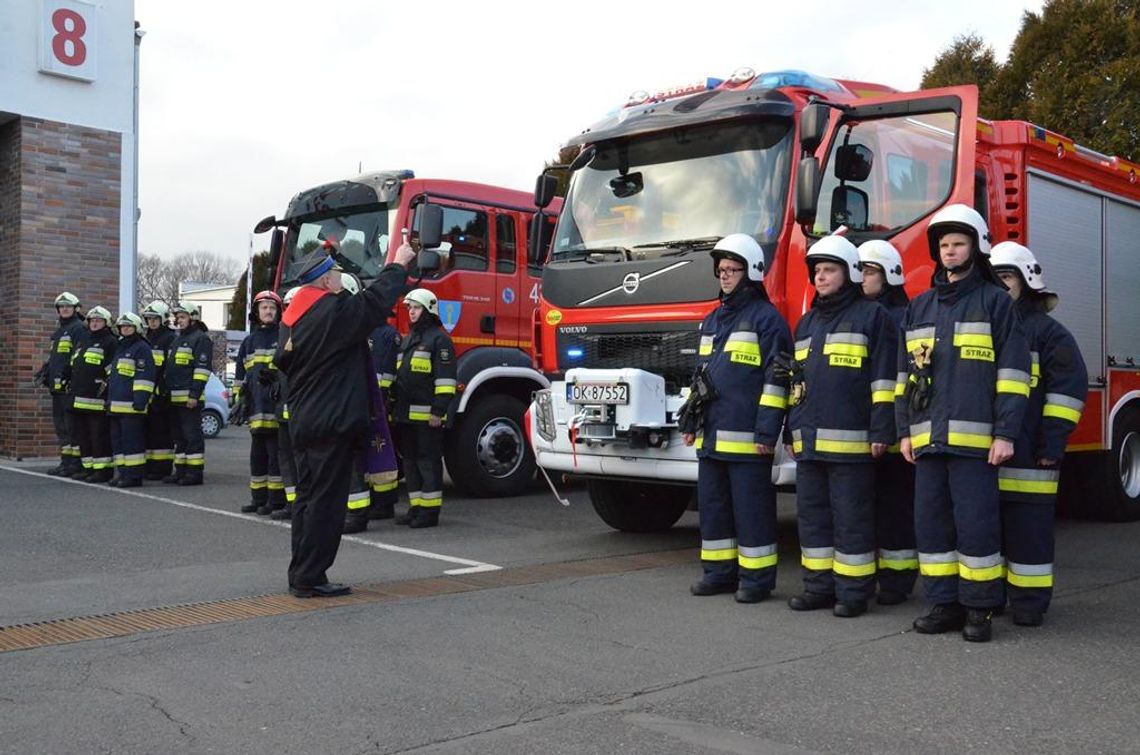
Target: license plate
{"type": "Point", "coordinates": [597, 393]}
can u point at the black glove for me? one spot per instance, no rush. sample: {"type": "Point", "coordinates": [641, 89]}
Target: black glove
{"type": "Point", "coordinates": [782, 365]}
{"type": "Point", "coordinates": [40, 378]}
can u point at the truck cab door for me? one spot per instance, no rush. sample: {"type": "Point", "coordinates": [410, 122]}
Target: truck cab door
{"type": "Point", "coordinates": [509, 326]}
{"type": "Point", "coordinates": [891, 162]}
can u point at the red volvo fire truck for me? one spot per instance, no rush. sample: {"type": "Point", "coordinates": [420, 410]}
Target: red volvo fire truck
{"type": "Point", "coordinates": [487, 286]}
{"type": "Point", "coordinates": [787, 157]}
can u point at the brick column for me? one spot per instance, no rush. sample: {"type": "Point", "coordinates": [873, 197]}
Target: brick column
{"type": "Point", "coordinates": [59, 231]}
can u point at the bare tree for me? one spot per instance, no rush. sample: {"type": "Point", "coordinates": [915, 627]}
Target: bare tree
{"type": "Point", "coordinates": [158, 278]}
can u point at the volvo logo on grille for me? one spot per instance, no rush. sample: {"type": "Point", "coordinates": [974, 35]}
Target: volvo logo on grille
{"type": "Point", "coordinates": [630, 282]}
{"type": "Point", "coordinates": [573, 329]}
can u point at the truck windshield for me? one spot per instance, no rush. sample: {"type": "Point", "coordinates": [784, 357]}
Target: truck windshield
{"type": "Point", "coordinates": [671, 191]}
{"type": "Point", "coordinates": [363, 237]}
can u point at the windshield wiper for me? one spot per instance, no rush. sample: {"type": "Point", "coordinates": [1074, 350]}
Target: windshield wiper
{"type": "Point", "coordinates": [588, 254]}
{"type": "Point", "coordinates": [682, 246]}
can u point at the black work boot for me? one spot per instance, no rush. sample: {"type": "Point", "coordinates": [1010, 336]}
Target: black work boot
{"type": "Point", "coordinates": [408, 516]}
{"type": "Point", "coordinates": [1024, 617]}
{"type": "Point", "coordinates": [172, 478]}
{"type": "Point", "coordinates": [129, 482]}
{"type": "Point", "coordinates": [58, 471]}
{"type": "Point", "coordinates": [978, 627]}
{"type": "Point", "coordinates": [354, 523]}
{"type": "Point", "coordinates": [250, 507]}
{"type": "Point", "coordinates": [425, 518]}
{"type": "Point", "coordinates": [704, 587]}
{"type": "Point", "coordinates": [285, 512]}
{"type": "Point", "coordinates": [850, 609]}
{"type": "Point", "coordinates": [944, 617]}
{"type": "Point", "coordinates": [890, 598]}
{"type": "Point", "coordinates": [190, 480]}
{"type": "Point", "coordinates": [810, 601]}
{"type": "Point", "coordinates": [381, 510]}
{"type": "Point", "coordinates": [751, 595]}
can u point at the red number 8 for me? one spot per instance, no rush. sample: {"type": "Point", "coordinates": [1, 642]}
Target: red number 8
{"type": "Point", "coordinates": [74, 35]}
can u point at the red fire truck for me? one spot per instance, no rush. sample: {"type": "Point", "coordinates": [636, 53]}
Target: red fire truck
{"type": "Point", "coordinates": [787, 157]}
{"type": "Point", "coordinates": [487, 286]}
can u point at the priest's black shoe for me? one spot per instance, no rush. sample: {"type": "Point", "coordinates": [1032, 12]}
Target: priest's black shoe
{"type": "Point", "coordinates": [331, 590]}
{"type": "Point", "coordinates": [810, 601]}
{"type": "Point", "coordinates": [944, 617]}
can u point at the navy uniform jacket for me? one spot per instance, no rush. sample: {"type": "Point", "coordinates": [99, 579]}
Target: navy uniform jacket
{"type": "Point", "coordinates": [325, 357]}
{"type": "Point", "coordinates": [425, 374]}
{"type": "Point", "coordinates": [131, 384]}
{"type": "Point", "coordinates": [89, 371]}
{"type": "Point", "coordinates": [848, 359]}
{"type": "Point", "coordinates": [68, 338]}
{"type": "Point", "coordinates": [1058, 388]}
{"type": "Point", "coordinates": [979, 363]}
{"type": "Point", "coordinates": [738, 342]}
{"type": "Point", "coordinates": [159, 339]}
{"type": "Point", "coordinates": [385, 342]}
{"type": "Point", "coordinates": [254, 355]}
{"type": "Point", "coordinates": [187, 365]}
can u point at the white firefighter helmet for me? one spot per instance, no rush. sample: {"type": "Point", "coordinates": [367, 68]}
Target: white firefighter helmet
{"type": "Point", "coordinates": [424, 298]}
{"type": "Point", "coordinates": [836, 249]}
{"type": "Point", "coordinates": [156, 309]}
{"type": "Point", "coordinates": [290, 294]}
{"type": "Point", "coordinates": [744, 248]}
{"type": "Point", "coordinates": [190, 309]}
{"type": "Point", "coordinates": [351, 283]}
{"type": "Point", "coordinates": [130, 318]}
{"type": "Point", "coordinates": [883, 255]}
{"type": "Point", "coordinates": [99, 313]}
{"type": "Point", "coordinates": [958, 218]}
{"type": "Point", "coordinates": [67, 299]}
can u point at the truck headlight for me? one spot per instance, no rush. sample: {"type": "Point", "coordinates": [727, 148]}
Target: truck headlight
{"type": "Point", "coordinates": [544, 414]}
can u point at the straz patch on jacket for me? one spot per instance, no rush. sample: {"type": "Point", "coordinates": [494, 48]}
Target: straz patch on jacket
{"type": "Point", "coordinates": [844, 360]}
{"type": "Point", "coordinates": [980, 353]}
{"type": "Point", "coordinates": [743, 357]}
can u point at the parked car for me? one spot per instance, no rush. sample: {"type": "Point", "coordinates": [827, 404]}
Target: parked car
{"type": "Point", "coordinates": [216, 412]}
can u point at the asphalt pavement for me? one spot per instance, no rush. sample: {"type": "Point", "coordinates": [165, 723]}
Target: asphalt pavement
{"type": "Point", "coordinates": [516, 626]}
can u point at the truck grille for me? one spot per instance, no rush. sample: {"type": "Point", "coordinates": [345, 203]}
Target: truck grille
{"type": "Point", "coordinates": [671, 353]}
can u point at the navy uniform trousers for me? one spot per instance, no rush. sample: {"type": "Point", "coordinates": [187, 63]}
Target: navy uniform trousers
{"type": "Point", "coordinates": [128, 444]}
{"type": "Point", "coordinates": [1027, 538]}
{"type": "Point", "coordinates": [957, 521]}
{"type": "Point", "coordinates": [894, 524]}
{"type": "Point", "coordinates": [835, 504]}
{"type": "Point", "coordinates": [737, 503]}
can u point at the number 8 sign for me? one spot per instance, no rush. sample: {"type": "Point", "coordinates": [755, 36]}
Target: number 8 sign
{"type": "Point", "coordinates": [69, 38]}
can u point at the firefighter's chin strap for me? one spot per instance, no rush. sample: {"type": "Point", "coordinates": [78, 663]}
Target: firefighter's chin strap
{"type": "Point", "coordinates": [959, 269]}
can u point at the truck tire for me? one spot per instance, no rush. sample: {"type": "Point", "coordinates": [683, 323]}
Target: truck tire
{"type": "Point", "coordinates": [1119, 499]}
{"type": "Point", "coordinates": [486, 453]}
{"type": "Point", "coordinates": [638, 506]}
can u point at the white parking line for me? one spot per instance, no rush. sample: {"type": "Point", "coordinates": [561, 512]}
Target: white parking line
{"type": "Point", "coordinates": [467, 565]}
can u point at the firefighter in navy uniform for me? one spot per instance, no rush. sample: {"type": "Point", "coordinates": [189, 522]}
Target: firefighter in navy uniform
{"type": "Point", "coordinates": [737, 428]}
{"type": "Point", "coordinates": [129, 391]}
{"type": "Point", "coordinates": [326, 360]}
{"type": "Point", "coordinates": [1028, 482]}
{"type": "Point", "coordinates": [840, 420]}
{"type": "Point", "coordinates": [967, 386]}
{"type": "Point", "coordinates": [425, 384]}
{"type": "Point", "coordinates": [159, 445]}
{"type": "Point", "coordinates": [255, 355]}
{"type": "Point", "coordinates": [185, 373]}
{"type": "Point", "coordinates": [88, 393]}
{"type": "Point", "coordinates": [278, 385]}
{"type": "Point", "coordinates": [55, 375]}
{"type": "Point", "coordinates": [883, 279]}
{"type": "Point", "coordinates": [385, 344]}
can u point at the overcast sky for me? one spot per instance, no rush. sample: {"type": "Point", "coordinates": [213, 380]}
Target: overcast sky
{"type": "Point", "coordinates": [244, 103]}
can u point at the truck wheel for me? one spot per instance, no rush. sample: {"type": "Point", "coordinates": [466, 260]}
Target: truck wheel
{"type": "Point", "coordinates": [638, 506]}
{"type": "Point", "coordinates": [486, 453]}
{"type": "Point", "coordinates": [1121, 502]}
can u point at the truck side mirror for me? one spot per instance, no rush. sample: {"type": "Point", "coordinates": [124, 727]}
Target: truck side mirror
{"type": "Point", "coordinates": [807, 190]}
{"type": "Point", "coordinates": [427, 260]}
{"type": "Point", "coordinates": [849, 208]}
{"type": "Point", "coordinates": [544, 189]}
{"type": "Point", "coordinates": [853, 162]}
{"type": "Point", "coordinates": [276, 244]}
{"type": "Point", "coordinates": [813, 125]}
{"type": "Point", "coordinates": [265, 224]}
{"type": "Point", "coordinates": [534, 236]}
{"type": "Point", "coordinates": [431, 225]}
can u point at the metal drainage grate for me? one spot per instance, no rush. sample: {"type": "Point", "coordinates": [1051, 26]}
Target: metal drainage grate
{"type": "Point", "coordinates": [83, 628]}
